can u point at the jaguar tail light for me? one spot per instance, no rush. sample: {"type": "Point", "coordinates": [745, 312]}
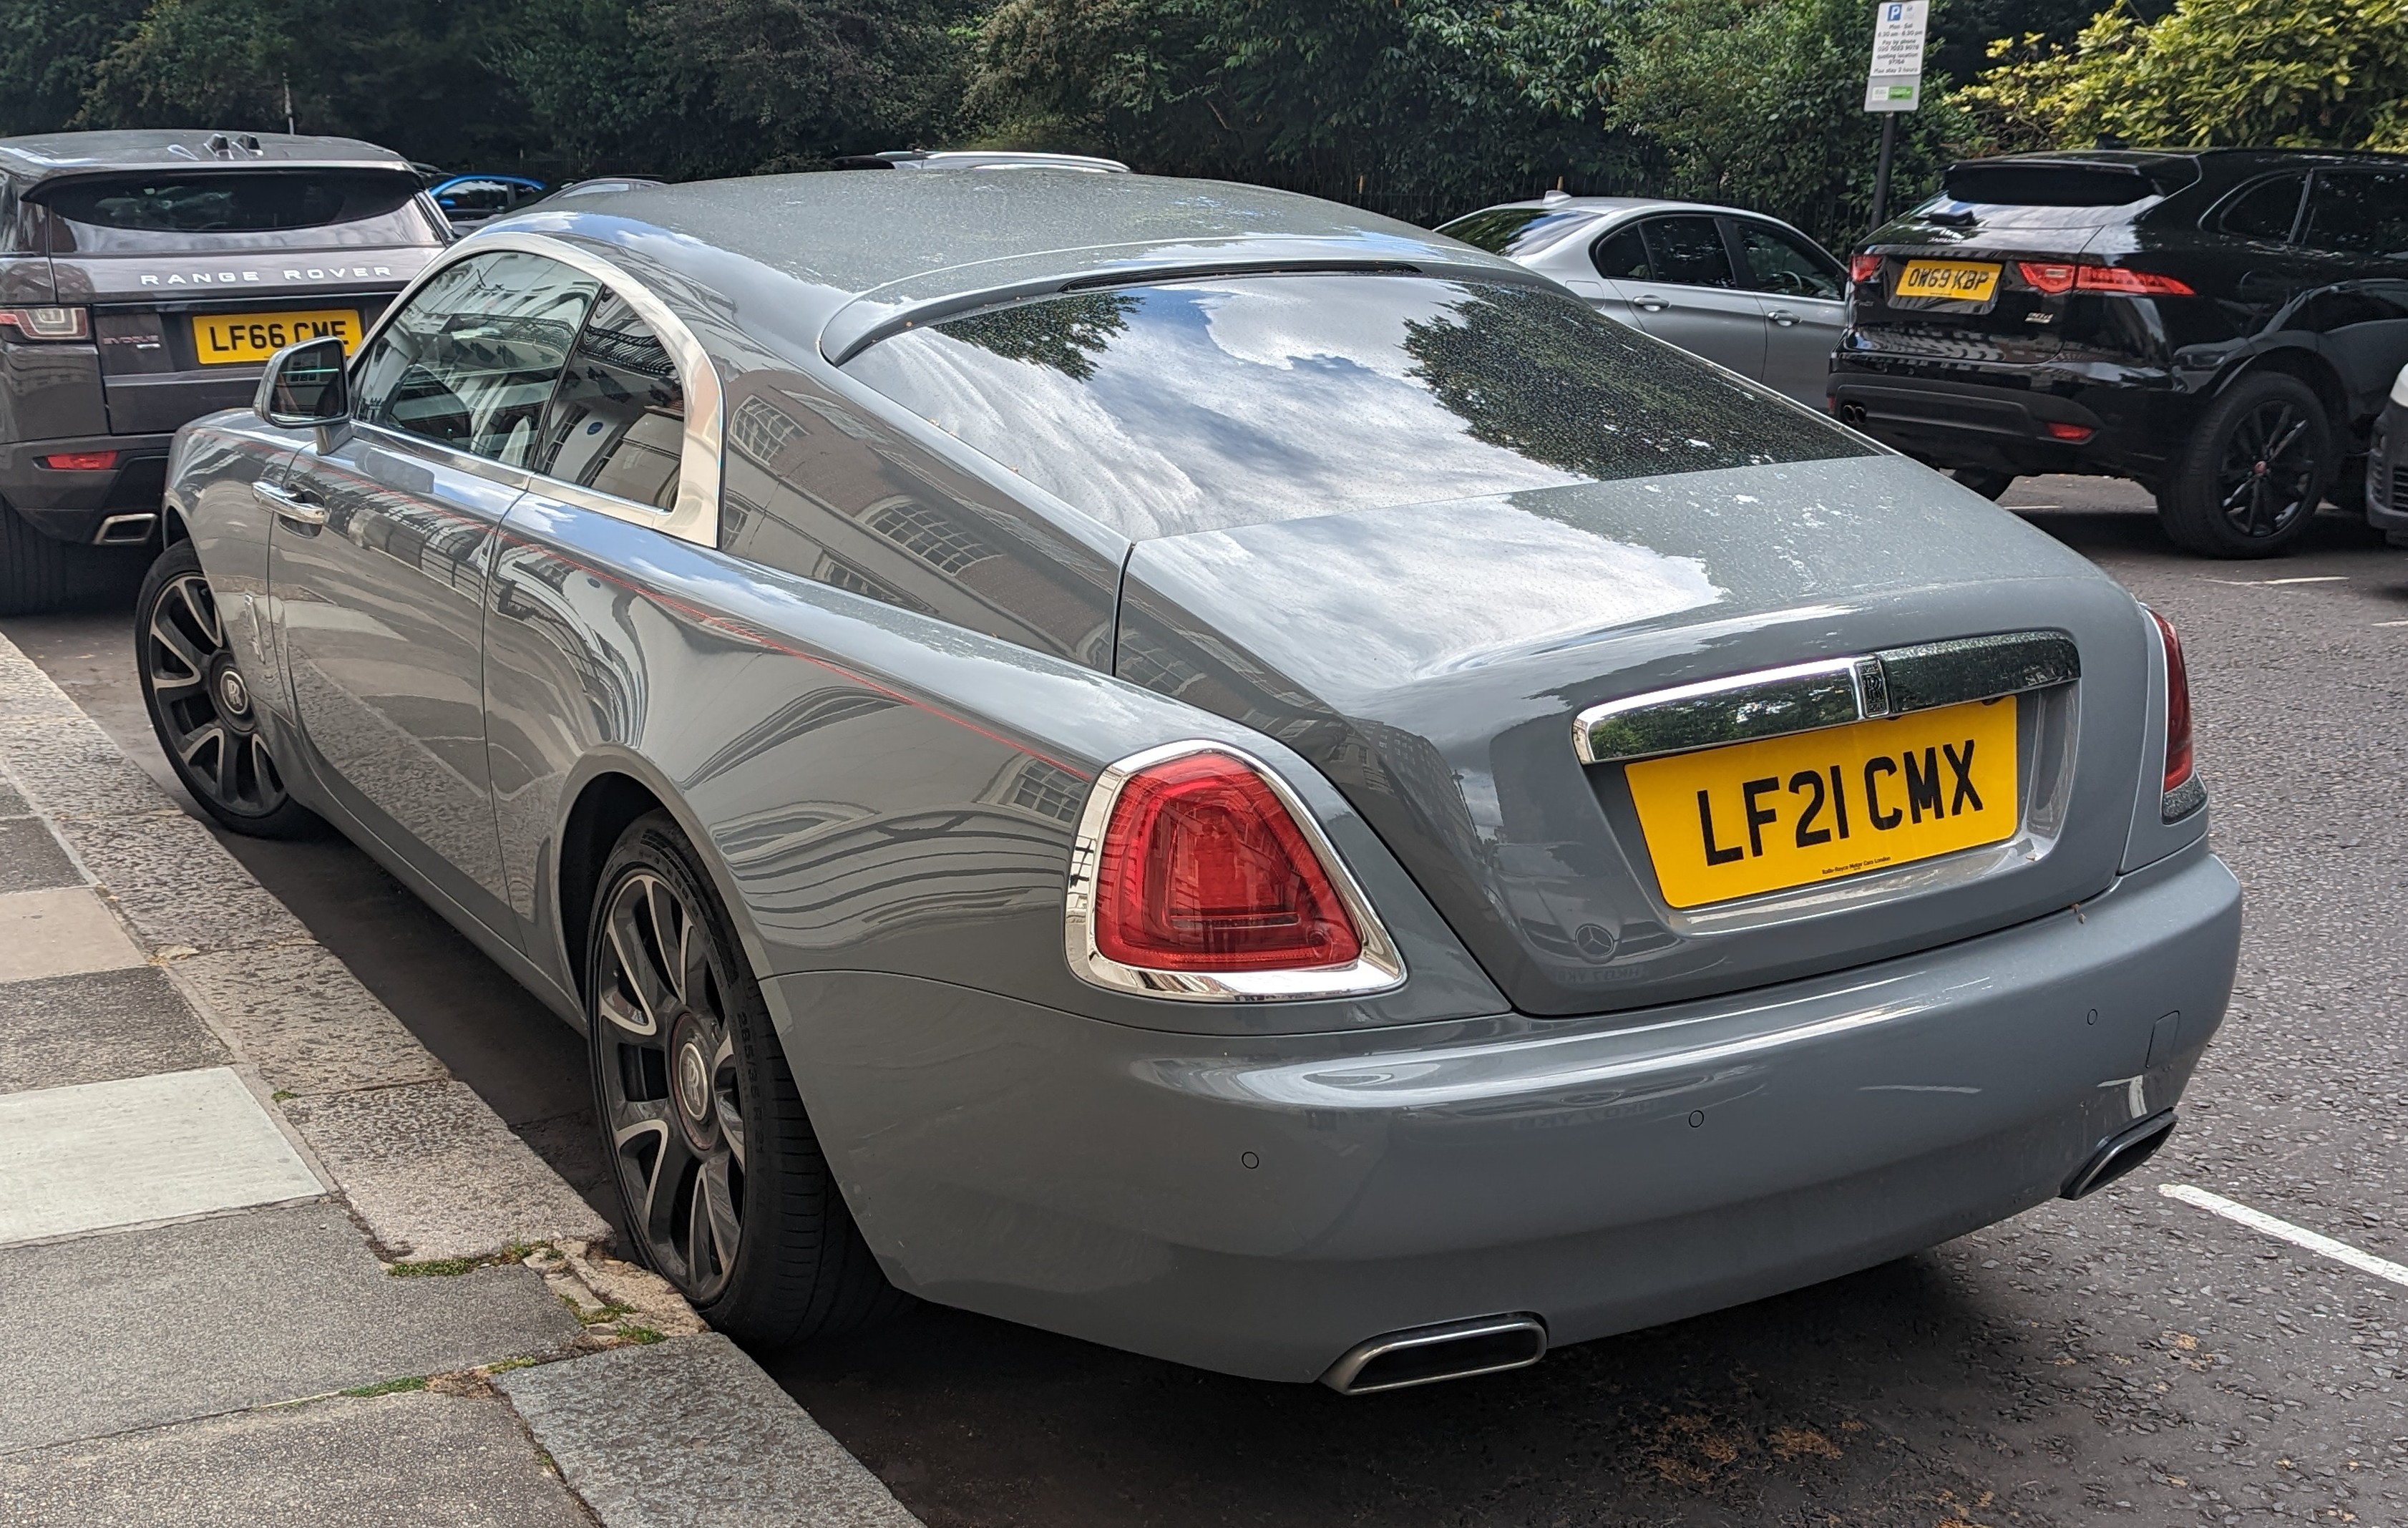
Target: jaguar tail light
{"type": "Point", "coordinates": [2051, 276]}
{"type": "Point", "coordinates": [2178, 751]}
{"type": "Point", "coordinates": [47, 322]}
{"type": "Point", "coordinates": [2132, 284]}
{"type": "Point", "coordinates": [1198, 873]}
{"type": "Point", "coordinates": [1864, 267]}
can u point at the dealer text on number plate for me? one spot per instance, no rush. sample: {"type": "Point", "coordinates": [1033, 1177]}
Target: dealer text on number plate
{"type": "Point", "coordinates": [225, 338]}
{"type": "Point", "coordinates": [1958, 280]}
{"type": "Point", "coordinates": [1815, 806]}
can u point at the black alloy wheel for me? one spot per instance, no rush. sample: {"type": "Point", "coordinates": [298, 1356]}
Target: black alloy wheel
{"type": "Point", "coordinates": [726, 1191]}
{"type": "Point", "coordinates": [201, 704]}
{"type": "Point", "coordinates": [2249, 481]}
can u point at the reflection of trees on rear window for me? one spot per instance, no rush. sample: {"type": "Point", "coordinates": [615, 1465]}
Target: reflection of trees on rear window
{"type": "Point", "coordinates": [103, 213]}
{"type": "Point", "coordinates": [1240, 400]}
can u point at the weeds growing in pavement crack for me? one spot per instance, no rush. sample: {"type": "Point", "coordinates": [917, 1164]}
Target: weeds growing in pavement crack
{"type": "Point", "coordinates": [390, 1387]}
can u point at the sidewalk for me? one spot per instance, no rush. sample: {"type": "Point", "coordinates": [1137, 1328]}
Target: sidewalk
{"type": "Point", "coordinates": [263, 1257]}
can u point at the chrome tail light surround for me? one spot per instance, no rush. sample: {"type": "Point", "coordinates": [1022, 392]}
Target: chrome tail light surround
{"type": "Point", "coordinates": [1377, 969]}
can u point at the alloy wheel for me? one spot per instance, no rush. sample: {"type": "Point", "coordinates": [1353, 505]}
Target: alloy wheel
{"type": "Point", "coordinates": [204, 703]}
{"type": "Point", "coordinates": [670, 1090]}
{"type": "Point", "coordinates": [2268, 473]}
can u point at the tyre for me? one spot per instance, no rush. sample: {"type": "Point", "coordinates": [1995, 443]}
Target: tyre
{"type": "Point", "coordinates": [726, 1191]}
{"type": "Point", "coordinates": [1986, 484]}
{"type": "Point", "coordinates": [2248, 483]}
{"type": "Point", "coordinates": [32, 567]}
{"type": "Point", "coordinates": [201, 706]}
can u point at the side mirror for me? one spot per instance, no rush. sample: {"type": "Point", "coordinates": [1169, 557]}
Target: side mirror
{"type": "Point", "coordinates": [304, 385]}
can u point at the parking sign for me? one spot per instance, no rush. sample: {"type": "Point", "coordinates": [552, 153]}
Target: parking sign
{"type": "Point", "coordinates": [1895, 81]}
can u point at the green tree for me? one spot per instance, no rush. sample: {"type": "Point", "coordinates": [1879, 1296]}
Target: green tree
{"type": "Point", "coordinates": [2294, 73]}
{"type": "Point", "coordinates": [47, 51]}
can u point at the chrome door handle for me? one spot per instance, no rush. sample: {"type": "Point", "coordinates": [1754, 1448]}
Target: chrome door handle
{"type": "Point", "coordinates": [1783, 316]}
{"type": "Point", "coordinates": [288, 504]}
{"type": "Point", "coordinates": [1651, 302]}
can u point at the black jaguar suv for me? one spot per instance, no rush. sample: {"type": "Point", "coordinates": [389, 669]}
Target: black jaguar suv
{"type": "Point", "coordinates": [144, 278]}
{"type": "Point", "coordinates": [2221, 325]}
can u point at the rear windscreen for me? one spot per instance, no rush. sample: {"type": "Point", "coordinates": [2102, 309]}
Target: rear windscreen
{"type": "Point", "coordinates": [1517, 230]}
{"type": "Point", "coordinates": [239, 209]}
{"type": "Point", "coordinates": [2006, 183]}
{"type": "Point", "coordinates": [1232, 401]}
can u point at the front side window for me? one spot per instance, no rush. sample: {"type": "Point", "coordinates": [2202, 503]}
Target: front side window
{"type": "Point", "coordinates": [1688, 252]}
{"type": "Point", "coordinates": [1781, 263]}
{"type": "Point", "coordinates": [1214, 403]}
{"type": "Point", "coordinates": [471, 362]}
{"type": "Point", "coordinates": [2359, 212]}
{"type": "Point", "coordinates": [617, 424]}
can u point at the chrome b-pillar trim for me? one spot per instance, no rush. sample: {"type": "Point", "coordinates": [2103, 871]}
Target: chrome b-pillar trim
{"type": "Point", "coordinates": [1832, 692]}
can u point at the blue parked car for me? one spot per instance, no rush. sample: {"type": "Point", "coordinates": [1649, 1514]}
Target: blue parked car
{"type": "Point", "coordinates": [468, 200]}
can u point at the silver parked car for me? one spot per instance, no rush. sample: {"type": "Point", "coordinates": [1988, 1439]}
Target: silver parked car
{"type": "Point", "coordinates": [1740, 289]}
{"type": "Point", "coordinates": [1201, 769]}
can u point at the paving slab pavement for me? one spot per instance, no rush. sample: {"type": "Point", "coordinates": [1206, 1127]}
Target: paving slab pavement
{"type": "Point", "coordinates": [263, 1257]}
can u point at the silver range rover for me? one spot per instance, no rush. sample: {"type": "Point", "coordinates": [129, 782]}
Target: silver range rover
{"type": "Point", "coordinates": [144, 278]}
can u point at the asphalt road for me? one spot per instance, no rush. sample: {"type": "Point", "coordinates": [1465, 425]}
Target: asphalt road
{"type": "Point", "coordinates": [2130, 1358]}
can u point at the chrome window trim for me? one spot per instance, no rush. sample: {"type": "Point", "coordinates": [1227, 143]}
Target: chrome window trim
{"type": "Point", "coordinates": [694, 516]}
{"type": "Point", "coordinates": [1379, 968]}
{"type": "Point", "coordinates": [1832, 692]}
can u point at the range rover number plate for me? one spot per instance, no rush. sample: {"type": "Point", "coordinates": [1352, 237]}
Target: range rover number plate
{"type": "Point", "coordinates": [231, 339]}
{"type": "Point", "coordinates": [1792, 811]}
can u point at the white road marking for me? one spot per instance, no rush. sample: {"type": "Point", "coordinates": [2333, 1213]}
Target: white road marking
{"type": "Point", "coordinates": [2272, 582]}
{"type": "Point", "coordinates": [2282, 1230]}
{"type": "Point", "coordinates": [2392, 623]}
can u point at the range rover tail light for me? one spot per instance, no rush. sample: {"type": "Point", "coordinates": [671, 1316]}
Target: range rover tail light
{"type": "Point", "coordinates": [2178, 750]}
{"type": "Point", "coordinates": [47, 322]}
{"type": "Point", "coordinates": [1198, 873]}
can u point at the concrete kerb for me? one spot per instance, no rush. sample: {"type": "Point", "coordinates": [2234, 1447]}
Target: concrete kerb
{"type": "Point", "coordinates": [431, 1176]}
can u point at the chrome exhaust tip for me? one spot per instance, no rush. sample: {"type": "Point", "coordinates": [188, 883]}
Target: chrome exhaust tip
{"type": "Point", "coordinates": [125, 529]}
{"type": "Point", "coordinates": [2121, 1152]}
{"type": "Point", "coordinates": [1423, 1355]}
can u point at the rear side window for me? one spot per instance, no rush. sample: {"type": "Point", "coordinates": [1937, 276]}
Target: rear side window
{"type": "Point", "coordinates": [1624, 255]}
{"type": "Point", "coordinates": [1517, 230]}
{"type": "Point", "coordinates": [2266, 211]}
{"type": "Point", "coordinates": [1688, 252]}
{"type": "Point", "coordinates": [2359, 212]}
{"type": "Point", "coordinates": [1209, 404]}
{"type": "Point", "coordinates": [170, 212]}
{"type": "Point", "coordinates": [617, 424]}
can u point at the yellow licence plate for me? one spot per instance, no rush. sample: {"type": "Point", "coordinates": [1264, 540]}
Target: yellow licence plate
{"type": "Point", "coordinates": [1815, 806]}
{"type": "Point", "coordinates": [1957, 280]}
{"type": "Point", "coordinates": [227, 339]}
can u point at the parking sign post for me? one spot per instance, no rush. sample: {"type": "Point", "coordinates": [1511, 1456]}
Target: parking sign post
{"type": "Point", "coordinates": [1895, 81]}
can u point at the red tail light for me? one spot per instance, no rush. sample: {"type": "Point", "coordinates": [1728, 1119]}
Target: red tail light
{"type": "Point", "coordinates": [1864, 267]}
{"type": "Point", "coordinates": [2054, 277]}
{"type": "Point", "coordinates": [1202, 867]}
{"type": "Point", "coordinates": [80, 461]}
{"type": "Point", "coordinates": [2059, 429]}
{"type": "Point", "coordinates": [2178, 759]}
{"type": "Point", "coordinates": [2132, 284]}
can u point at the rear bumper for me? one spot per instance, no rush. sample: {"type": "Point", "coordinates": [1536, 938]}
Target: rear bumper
{"type": "Point", "coordinates": [1998, 417]}
{"type": "Point", "coordinates": [2386, 474]}
{"type": "Point", "coordinates": [72, 506]}
{"type": "Point", "coordinates": [1259, 1207]}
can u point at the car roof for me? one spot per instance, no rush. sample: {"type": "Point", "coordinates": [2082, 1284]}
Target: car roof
{"type": "Point", "coordinates": [2150, 158]}
{"type": "Point", "coordinates": [929, 235]}
{"type": "Point", "coordinates": [1621, 204]}
{"type": "Point", "coordinates": [479, 175]}
{"type": "Point", "coordinates": [43, 156]}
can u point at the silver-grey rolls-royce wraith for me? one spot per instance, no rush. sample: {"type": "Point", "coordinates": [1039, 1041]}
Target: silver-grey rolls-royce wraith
{"type": "Point", "coordinates": [1200, 769]}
